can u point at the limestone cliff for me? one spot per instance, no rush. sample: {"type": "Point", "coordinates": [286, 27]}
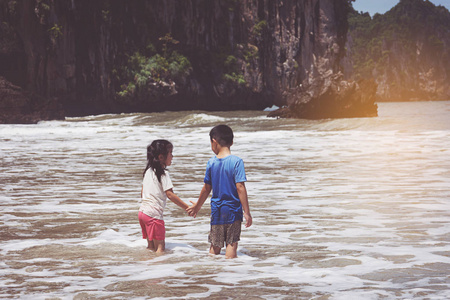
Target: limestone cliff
{"type": "Point", "coordinates": [406, 51]}
{"type": "Point", "coordinates": [120, 56]}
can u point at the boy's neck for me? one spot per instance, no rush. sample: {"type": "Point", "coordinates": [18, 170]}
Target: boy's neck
{"type": "Point", "coordinates": [223, 152]}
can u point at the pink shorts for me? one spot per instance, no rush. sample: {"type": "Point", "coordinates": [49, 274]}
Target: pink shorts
{"type": "Point", "coordinates": [152, 229]}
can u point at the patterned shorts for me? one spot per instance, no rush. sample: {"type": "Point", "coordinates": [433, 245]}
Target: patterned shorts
{"type": "Point", "coordinates": [226, 233]}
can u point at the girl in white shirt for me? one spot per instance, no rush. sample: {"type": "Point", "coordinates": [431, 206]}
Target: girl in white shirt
{"type": "Point", "coordinates": [156, 188]}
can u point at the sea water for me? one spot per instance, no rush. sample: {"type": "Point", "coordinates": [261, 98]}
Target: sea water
{"type": "Point", "coordinates": [342, 209]}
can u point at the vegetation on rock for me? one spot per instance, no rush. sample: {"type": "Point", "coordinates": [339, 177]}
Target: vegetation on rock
{"type": "Point", "coordinates": [144, 75]}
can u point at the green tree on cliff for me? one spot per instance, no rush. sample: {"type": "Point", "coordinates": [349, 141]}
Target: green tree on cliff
{"type": "Point", "coordinates": [144, 75]}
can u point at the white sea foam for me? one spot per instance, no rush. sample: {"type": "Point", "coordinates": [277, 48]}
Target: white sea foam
{"type": "Point", "coordinates": [343, 209]}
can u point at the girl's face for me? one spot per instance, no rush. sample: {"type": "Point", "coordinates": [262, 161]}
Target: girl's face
{"type": "Point", "coordinates": [167, 161]}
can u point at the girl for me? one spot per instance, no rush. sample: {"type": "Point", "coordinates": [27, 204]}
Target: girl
{"type": "Point", "coordinates": [156, 188]}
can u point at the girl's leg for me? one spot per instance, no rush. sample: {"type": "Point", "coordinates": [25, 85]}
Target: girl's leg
{"type": "Point", "coordinates": [150, 245]}
{"type": "Point", "coordinates": [160, 246]}
{"type": "Point", "coordinates": [214, 250]}
{"type": "Point", "coordinates": [231, 250]}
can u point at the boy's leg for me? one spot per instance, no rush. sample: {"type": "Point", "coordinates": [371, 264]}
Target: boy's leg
{"type": "Point", "coordinates": [216, 237]}
{"type": "Point", "coordinates": [214, 250]}
{"type": "Point", "coordinates": [233, 235]}
{"type": "Point", "coordinates": [231, 250]}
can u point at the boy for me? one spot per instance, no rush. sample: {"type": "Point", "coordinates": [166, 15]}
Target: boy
{"type": "Point", "coordinates": [225, 176]}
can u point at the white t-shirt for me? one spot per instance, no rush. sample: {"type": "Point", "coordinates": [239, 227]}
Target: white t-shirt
{"type": "Point", "coordinates": [153, 194]}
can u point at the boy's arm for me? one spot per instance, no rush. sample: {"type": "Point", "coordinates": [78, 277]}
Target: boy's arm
{"type": "Point", "coordinates": [175, 199]}
{"type": "Point", "coordinates": [242, 192]}
{"type": "Point", "coordinates": [193, 210]}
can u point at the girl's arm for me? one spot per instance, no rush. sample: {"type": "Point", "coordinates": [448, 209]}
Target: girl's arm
{"type": "Point", "coordinates": [175, 199]}
{"type": "Point", "coordinates": [193, 210]}
{"type": "Point", "coordinates": [242, 192]}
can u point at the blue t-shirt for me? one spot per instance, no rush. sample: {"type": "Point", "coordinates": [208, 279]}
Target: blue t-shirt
{"type": "Point", "coordinates": [223, 174]}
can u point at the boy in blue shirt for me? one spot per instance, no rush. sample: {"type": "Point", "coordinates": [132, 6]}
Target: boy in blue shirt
{"type": "Point", "coordinates": [225, 176]}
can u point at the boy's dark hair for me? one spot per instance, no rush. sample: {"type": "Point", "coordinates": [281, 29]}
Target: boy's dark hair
{"type": "Point", "coordinates": [223, 134]}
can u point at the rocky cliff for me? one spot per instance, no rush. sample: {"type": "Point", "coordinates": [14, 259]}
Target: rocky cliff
{"type": "Point", "coordinates": [120, 56]}
{"type": "Point", "coordinates": [406, 51]}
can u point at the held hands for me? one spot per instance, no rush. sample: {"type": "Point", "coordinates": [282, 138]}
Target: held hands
{"type": "Point", "coordinates": [193, 209]}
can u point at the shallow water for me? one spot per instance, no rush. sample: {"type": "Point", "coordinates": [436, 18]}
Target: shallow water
{"type": "Point", "coordinates": [342, 209]}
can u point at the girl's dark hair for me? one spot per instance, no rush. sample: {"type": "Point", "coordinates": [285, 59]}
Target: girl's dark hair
{"type": "Point", "coordinates": [154, 150]}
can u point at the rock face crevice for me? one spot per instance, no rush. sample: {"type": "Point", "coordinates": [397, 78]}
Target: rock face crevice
{"type": "Point", "coordinates": [71, 51]}
{"type": "Point", "coordinates": [20, 106]}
